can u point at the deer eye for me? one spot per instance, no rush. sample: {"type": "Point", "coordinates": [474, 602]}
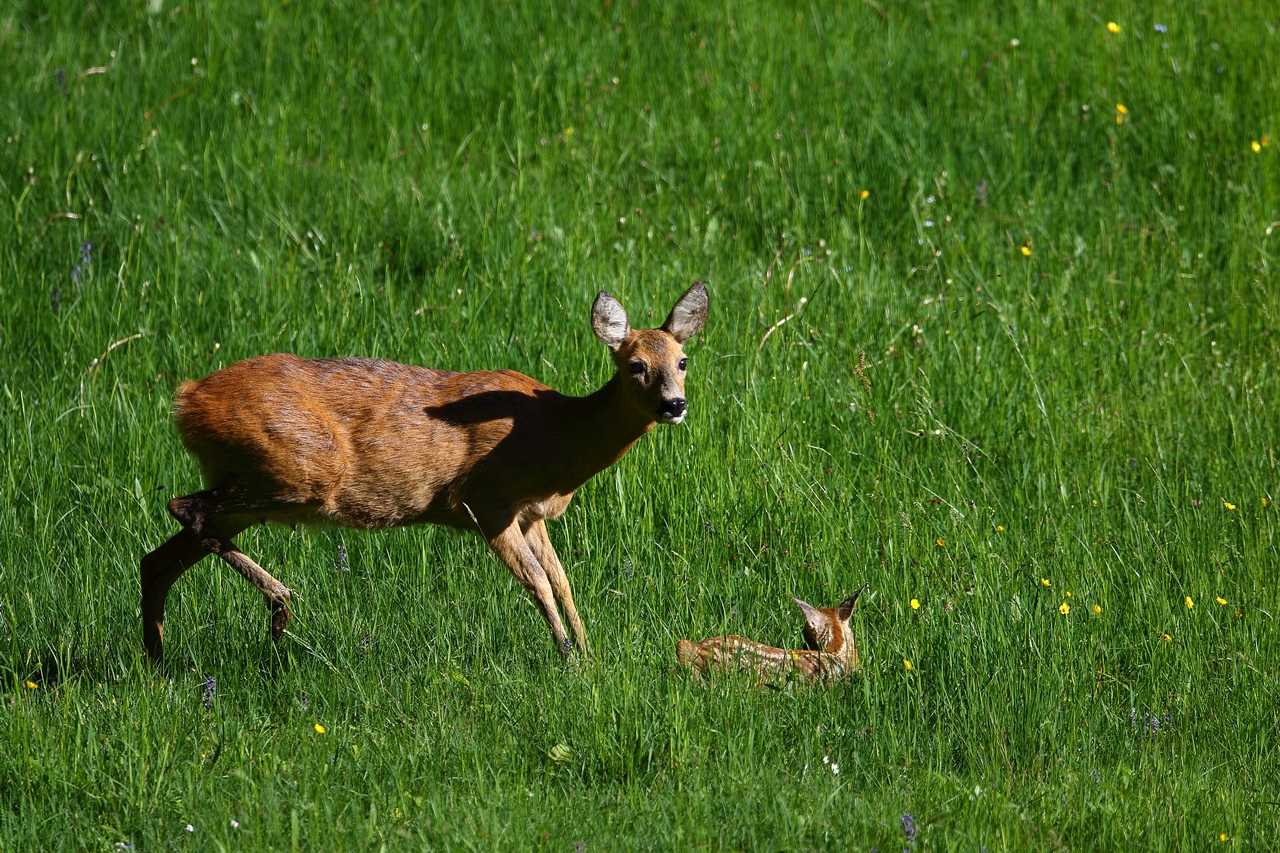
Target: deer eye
{"type": "Point", "coordinates": [637, 367]}
{"type": "Point", "coordinates": [683, 363]}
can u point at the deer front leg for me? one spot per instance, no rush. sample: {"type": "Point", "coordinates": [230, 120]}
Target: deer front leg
{"type": "Point", "coordinates": [540, 544]}
{"type": "Point", "coordinates": [512, 549]}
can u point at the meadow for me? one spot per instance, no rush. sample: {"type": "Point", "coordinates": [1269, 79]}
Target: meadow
{"type": "Point", "coordinates": [991, 335]}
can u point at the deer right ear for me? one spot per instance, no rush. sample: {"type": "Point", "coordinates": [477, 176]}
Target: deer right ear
{"type": "Point", "coordinates": [815, 619]}
{"type": "Point", "coordinates": [609, 320]}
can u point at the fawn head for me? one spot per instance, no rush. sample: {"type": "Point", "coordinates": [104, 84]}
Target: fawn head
{"type": "Point", "coordinates": [651, 362]}
{"type": "Point", "coordinates": [826, 629]}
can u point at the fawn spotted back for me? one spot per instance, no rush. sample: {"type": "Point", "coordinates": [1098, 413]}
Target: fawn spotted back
{"type": "Point", "coordinates": [373, 444]}
{"type": "Point", "coordinates": [830, 656]}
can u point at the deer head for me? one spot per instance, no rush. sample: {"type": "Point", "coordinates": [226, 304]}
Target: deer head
{"type": "Point", "coordinates": [827, 630]}
{"type": "Point", "coordinates": [651, 362]}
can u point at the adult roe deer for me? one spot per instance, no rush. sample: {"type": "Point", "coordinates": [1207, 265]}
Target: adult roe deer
{"type": "Point", "coordinates": [373, 444]}
{"type": "Point", "coordinates": [830, 656]}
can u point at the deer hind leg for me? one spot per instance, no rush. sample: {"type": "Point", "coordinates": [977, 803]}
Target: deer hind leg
{"type": "Point", "coordinates": [540, 544]}
{"type": "Point", "coordinates": [158, 571]}
{"type": "Point", "coordinates": [512, 549]}
{"type": "Point", "coordinates": [200, 513]}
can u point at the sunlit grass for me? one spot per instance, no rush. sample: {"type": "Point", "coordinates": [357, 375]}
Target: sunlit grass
{"type": "Point", "coordinates": [992, 333]}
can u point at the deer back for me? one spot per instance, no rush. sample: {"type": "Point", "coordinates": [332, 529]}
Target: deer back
{"type": "Point", "coordinates": [373, 443]}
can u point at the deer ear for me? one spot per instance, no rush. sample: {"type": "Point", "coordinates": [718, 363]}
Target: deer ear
{"type": "Point", "coordinates": [689, 314]}
{"type": "Point", "coordinates": [845, 609]}
{"type": "Point", "coordinates": [813, 617]}
{"type": "Point", "coordinates": [609, 320]}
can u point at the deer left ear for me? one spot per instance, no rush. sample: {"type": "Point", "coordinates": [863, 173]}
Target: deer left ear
{"type": "Point", "coordinates": [689, 314]}
{"type": "Point", "coordinates": [845, 608]}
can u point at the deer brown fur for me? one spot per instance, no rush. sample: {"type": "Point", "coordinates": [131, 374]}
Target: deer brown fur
{"type": "Point", "coordinates": [373, 444]}
{"type": "Point", "coordinates": [830, 656]}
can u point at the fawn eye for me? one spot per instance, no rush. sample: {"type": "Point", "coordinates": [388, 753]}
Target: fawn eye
{"type": "Point", "coordinates": [637, 367]}
{"type": "Point", "coordinates": [683, 363]}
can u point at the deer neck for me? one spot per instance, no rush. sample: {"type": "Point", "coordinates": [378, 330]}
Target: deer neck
{"type": "Point", "coordinates": [604, 425]}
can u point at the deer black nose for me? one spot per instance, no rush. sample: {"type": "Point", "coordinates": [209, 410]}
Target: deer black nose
{"type": "Point", "coordinates": [675, 407]}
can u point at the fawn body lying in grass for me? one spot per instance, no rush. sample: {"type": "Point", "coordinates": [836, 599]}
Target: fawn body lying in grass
{"type": "Point", "coordinates": [830, 656]}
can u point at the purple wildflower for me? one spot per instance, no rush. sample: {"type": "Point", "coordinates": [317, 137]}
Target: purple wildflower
{"type": "Point", "coordinates": [1151, 723]}
{"type": "Point", "coordinates": [1161, 28]}
{"type": "Point", "coordinates": [909, 829]}
{"type": "Point", "coordinates": [210, 687]}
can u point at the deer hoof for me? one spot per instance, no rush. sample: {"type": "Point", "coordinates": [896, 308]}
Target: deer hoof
{"type": "Point", "coordinates": [279, 615]}
{"type": "Point", "coordinates": [153, 642]}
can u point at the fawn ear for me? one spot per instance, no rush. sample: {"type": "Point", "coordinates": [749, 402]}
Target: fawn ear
{"type": "Point", "coordinates": [609, 320]}
{"type": "Point", "coordinates": [845, 608]}
{"type": "Point", "coordinates": [813, 617]}
{"type": "Point", "coordinates": [689, 314]}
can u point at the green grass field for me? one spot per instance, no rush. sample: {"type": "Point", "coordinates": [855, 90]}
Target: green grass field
{"type": "Point", "coordinates": [1090, 423]}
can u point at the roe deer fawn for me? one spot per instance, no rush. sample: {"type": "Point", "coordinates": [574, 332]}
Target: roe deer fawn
{"type": "Point", "coordinates": [830, 656]}
{"type": "Point", "coordinates": [372, 444]}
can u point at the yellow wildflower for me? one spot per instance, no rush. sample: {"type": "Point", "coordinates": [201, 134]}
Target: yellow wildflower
{"type": "Point", "coordinates": [1064, 608]}
{"type": "Point", "coordinates": [1239, 615]}
{"type": "Point", "coordinates": [1097, 611]}
{"type": "Point", "coordinates": [319, 729]}
{"type": "Point", "coordinates": [31, 685]}
{"type": "Point", "coordinates": [1266, 501]}
{"type": "Point", "coordinates": [1222, 836]}
{"type": "Point", "coordinates": [1119, 119]}
{"type": "Point", "coordinates": [908, 665]}
{"type": "Point", "coordinates": [1044, 581]}
{"type": "Point", "coordinates": [1187, 601]}
{"type": "Point", "coordinates": [1026, 251]}
{"type": "Point", "coordinates": [864, 194]}
{"type": "Point", "coordinates": [915, 604]}
{"type": "Point", "coordinates": [1068, 593]}
{"type": "Point", "coordinates": [1113, 28]}
{"type": "Point", "coordinates": [941, 542]}
{"type": "Point", "coordinates": [1256, 146]}
{"type": "Point", "coordinates": [1166, 638]}
{"type": "Point", "coordinates": [1120, 108]}
{"type": "Point", "coordinates": [568, 131]}
{"type": "Point", "coordinates": [1221, 601]}
{"type": "Point", "coordinates": [999, 528]}
{"type": "Point", "coordinates": [1230, 506]}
